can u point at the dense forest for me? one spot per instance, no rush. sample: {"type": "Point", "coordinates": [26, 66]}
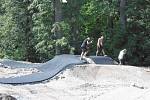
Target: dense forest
{"type": "Point", "coordinates": [37, 30]}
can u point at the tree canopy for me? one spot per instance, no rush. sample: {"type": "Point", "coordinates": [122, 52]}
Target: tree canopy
{"type": "Point", "coordinates": [34, 30]}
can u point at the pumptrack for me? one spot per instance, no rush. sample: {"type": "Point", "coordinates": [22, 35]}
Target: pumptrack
{"type": "Point", "coordinates": [49, 69]}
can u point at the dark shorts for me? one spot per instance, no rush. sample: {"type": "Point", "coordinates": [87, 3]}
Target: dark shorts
{"type": "Point", "coordinates": [122, 61]}
{"type": "Point", "coordinates": [99, 48]}
{"type": "Point", "coordinates": [84, 49]}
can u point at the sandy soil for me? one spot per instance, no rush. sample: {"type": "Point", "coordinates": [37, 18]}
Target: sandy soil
{"type": "Point", "coordinates": [84, 82]}
{"type": "Point", "coordinates": [9, 72]}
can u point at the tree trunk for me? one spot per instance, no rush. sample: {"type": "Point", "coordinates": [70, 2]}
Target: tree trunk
{"type": "Point", "coordinates": [123, 15]}
{"type": "Point", "coordinates": [29, 46]}
{"type": "Point", "coordinates": [110, 23]}
{"type": "Point", "coordinates": [58, 10]}
{"type": "Point", "coordinates": [58, 18]}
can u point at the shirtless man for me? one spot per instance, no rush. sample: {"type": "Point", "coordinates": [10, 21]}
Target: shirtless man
{"type": "Point", "coordinates": [100, 46]}
{"type": "Point", "coordinates": [85, 47]}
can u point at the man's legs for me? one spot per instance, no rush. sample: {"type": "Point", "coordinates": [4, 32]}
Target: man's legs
{"type": "Point", "coordinates": [83, 52]}
{"type": "Point", "coordinates": [82, 55]}
{"type": "Point", "coordinates": [97, 51]}
{"type": "Point", "coordinates": [103, 52]}
{"type": "Point", "coordinates": [120, 61]}
{"type": "Point", "coordinates": [123, 61]}
{"type": "Point", "coordinates": [86, 52]}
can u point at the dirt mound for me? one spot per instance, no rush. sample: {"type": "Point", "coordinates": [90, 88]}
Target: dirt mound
{"type": "Point", "coordinates": [92, 72]}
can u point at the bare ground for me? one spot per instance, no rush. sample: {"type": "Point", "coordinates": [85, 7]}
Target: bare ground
{"type": "Point", "coordinates": [86, 82]}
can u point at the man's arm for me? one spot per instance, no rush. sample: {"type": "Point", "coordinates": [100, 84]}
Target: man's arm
{"type": "Point", "coordinates": [89, 42]}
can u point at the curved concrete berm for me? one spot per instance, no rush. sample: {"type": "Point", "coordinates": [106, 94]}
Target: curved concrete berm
{"type": "Point", "coordinates": [46, 70]}
{"type": "Point", "coordinates": [49, 69]}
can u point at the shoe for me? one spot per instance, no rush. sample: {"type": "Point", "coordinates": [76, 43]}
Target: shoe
{"type": "Point", "coordinates": [81, 58]}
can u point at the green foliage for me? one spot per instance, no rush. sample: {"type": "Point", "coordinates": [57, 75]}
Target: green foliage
{"type": "Point", "coordinates": [63, 44]}
{"type": "Point", "coordinates": [138, 32]}
{"type": "Point", "coordinates": [42, 25]}
{"type": "Point", "coordinates": [28, 30]}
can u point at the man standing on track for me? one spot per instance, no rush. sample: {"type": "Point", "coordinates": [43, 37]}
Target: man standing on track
{"type": "Point", "coordinates": [85, 47]}
{"type": "Point", "coordinates": [100, 46]}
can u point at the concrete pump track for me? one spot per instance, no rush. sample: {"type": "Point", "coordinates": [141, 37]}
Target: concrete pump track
{"type": "Point", "coordinates": [49, 69]}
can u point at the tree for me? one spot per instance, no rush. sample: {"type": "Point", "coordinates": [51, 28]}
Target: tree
{"type": "Point", "coordinates": [18, 36]}
{"type": "Point", "coordinates": [123, 15]}
{"type": "Point", "coordinates": [58, 19]}
{"type": "Point", "coordinates": [36, 30]}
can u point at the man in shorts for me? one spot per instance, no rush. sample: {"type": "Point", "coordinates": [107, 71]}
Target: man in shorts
{"type": "Point", "coordinates": [100, 46]}
{"type": "Point", "coordinates": [85, 47]}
